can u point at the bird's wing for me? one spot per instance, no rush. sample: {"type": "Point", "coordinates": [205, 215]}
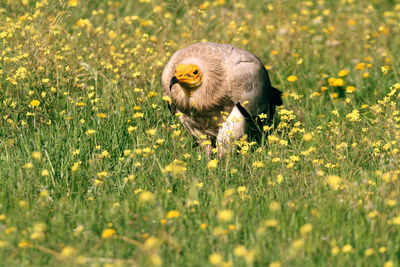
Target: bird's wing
{"type": "Point", "coordinates": [249, 81]}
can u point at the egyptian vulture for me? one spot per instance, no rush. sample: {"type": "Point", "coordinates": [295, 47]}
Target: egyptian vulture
{"type": "Point", "coordinates": [218, 91]}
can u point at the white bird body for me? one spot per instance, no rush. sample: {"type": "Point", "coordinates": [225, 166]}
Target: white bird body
{"type": "Point", "coordinates": [229, 79]}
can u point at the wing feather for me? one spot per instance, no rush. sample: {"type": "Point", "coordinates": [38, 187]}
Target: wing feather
{"type": "Point", "coordinates": [231, 76]}
{"type": "Point", "coordinates": [249, 82]}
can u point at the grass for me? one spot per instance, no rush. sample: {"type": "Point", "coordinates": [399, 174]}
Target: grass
{"type": "Point", "coordinates": [94, 169]}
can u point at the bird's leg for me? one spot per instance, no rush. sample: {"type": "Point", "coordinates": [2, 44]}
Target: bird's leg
{"type": "Point", "coordinates": [208, 150]}
{"type": "Point", "coordinates": [201, 137]}
{"type": "Point", "coordinates": [231, 130]}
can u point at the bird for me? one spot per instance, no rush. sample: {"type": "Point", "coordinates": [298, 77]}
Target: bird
{"type": "Point", "coordinates": [219, 92]}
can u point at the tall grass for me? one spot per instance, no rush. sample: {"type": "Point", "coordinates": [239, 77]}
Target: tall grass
{"type": "Point", "coordinates": [94, 169]}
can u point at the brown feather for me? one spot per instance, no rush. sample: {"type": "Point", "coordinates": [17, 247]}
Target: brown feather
{"type": "Point", "coordinates": [230, 76]}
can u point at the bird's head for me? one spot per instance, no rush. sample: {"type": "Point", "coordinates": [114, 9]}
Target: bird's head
{"type": "Point", "coordinates": [187, 75]}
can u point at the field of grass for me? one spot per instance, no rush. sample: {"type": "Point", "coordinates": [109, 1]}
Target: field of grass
{"type": "Point", "coordinates": [95, 171]}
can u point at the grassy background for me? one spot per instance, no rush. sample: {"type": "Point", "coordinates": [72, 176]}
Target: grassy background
{"type": "Point", "coordinates": [94, 170]}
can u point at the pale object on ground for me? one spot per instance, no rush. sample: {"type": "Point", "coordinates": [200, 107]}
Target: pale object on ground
{"type": "Point", "coordinates": [220, 90]}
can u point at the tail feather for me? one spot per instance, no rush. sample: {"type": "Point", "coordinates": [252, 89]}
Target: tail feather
{"type": "Point", "coordinates": [276, 100]}
{"type": "Point", "coordinates": [276, 97]}
{"type": "Point", "coordinates": [244, 112]}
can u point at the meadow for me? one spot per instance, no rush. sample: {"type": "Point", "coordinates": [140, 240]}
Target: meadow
{"type": "Point", "coordinates": [95, 170]}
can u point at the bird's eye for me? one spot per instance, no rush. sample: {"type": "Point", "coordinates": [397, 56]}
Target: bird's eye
{"type": "Point", "coordinates": [195, 72]}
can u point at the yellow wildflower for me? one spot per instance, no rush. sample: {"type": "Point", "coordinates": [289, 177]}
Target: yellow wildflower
{"type": "Point", "coordinates": [112, 35]}
{"type": "Point", "coordinates": [3, 244]}
{"type": "Point", "coordinates": [299, 243]}
{"type": "Point", "coordinates": [225, 215]}
{"type": "Point", "coordinates": [275, 264]}
{"type": "Point", "coordinates": [335, 250]}
{"type": "Point", "coordinates": [305, 229]}
{"type": "Point", "coordinates": [333, 181]}
{"type": "Point", "coordinates": [350, 89]}
{"type": "Point", "coordinates": [138, 115]}
{"type": "Point", "coordinates": [385, 69]}
{"type": "Point", "coordinates": [102, 174]}
{"type": "Point", "coordinates": [67, 252]}
{"type": "Point", "coordinates": [258, 164]}
{"type": "Point", "coordinates": [101, 115]}
{"type": "Point", "coordinates": [343, 73]}
{"type": "Point", "coordinates": [274, 206]}
{"type": "Point", "coordinates": [353, 116]}
{"type": "Point", "coordinates": [36, 155]}
{"type": "Point", "coordinates": [108, 233]}
{"type": "Point", "coordinates": [215, 259]}
{"type": "Point", "coordinates": [212, 164]}
{"type": "Point", "coordinates": [360, 66]}
{"type": "Point", "coordinates": [151, 132]}
{"type": "Point", "coordinates": [307, 137]}
{"type": "Point", "coordinates": [368, 252]}
{"type": "Point", "coordinates": [173, 214]}
{"type": "Point", "coordinates": [28, 165]}
{"type": "Point", "coordinates": [338, 82]}
{"type": "Point", "coordinates": [146, 196]}
{"type": "Point", "coordinates": [347, 249]}
{"type": "Point", "coordinates": [279, 178]}
{"type": "Point", "coordinates": [72, 3]}
{"type": "Point", "coordinates": [131, 129]}
{"type": "Point", "coordinates": [177, 167]}
{"type": "Point", "coordinates": [204, 5]}
{"type": "Point", "coordinates": [35, 103]}
{"type": "Point", "coordinates": [240, 251]}
{"type": "Point", "coordinates": [75, 167]}
{"type": "Point", "coordinates": [167, 99]}
{"type": "Point", "coordinates": [24, 244]}
{"type": "Point", "coordinates": [90, 132]}
{"type": "Point", "coordinates": [396, 220]}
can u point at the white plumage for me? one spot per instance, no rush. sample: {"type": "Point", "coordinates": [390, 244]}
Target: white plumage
{"type": "Point", "coordinates": [220, 90]}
